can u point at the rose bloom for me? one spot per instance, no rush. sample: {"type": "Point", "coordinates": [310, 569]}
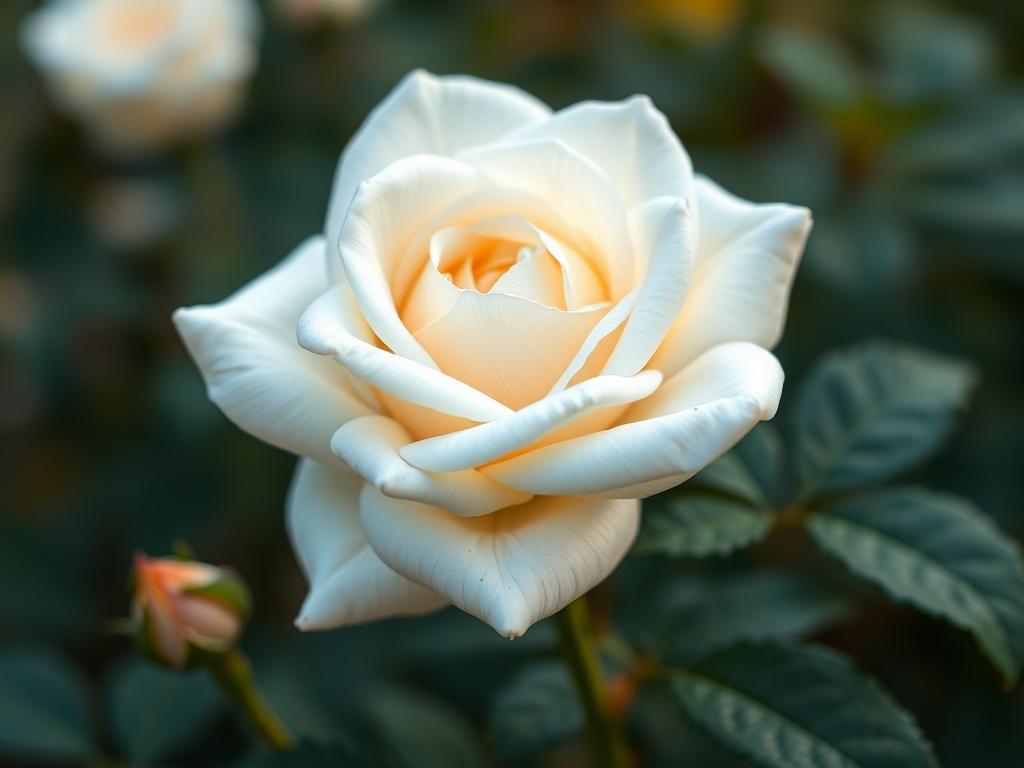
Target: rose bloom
{"type": "Point", "coordinates": [140, 74]}
{"type": "Point", "coordinates": [517, 324]}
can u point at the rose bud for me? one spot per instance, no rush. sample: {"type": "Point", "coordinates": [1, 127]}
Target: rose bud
{"type": "Point", "coordinates": [183, 610]}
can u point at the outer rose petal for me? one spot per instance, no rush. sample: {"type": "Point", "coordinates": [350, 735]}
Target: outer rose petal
{"type": "Point", "coordinates": [511, 568]}
{"type": "Point", "coordinates": [483, 444]}
{"type": "Point", "coordinates": [687, 424]}
{"type": "Point", "coordinates": [663, 232]}
{"type": "Point", "coordinates": [254, 369]}
{"type": "Point", "coordinates": [425, 114]}
{"type": "Point", "coordinates": [738, 368]}
{"type": "Point", "coordinates": [747, 255]}
{"type": "Point", "coordinates": [631, 141]}
{"type": "Point", "coordinates": [370, 446]}
{"type": "Point", "coordinates": [348, 582]}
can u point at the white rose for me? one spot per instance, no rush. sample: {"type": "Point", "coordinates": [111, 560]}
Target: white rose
{"type": "Point", "coordinates": [518, 324]}
{"type": "Point", "coordinates": [142, 73]}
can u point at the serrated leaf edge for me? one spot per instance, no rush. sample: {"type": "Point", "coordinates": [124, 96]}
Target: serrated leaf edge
{"type": "Point", "coordinates": [1009, 672]}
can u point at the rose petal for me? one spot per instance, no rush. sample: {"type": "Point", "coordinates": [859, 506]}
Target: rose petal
{"type": "Point", "coordinates": [581, 286]}
{"type": "Point", "coordinates": [425, 114]}
{"type": "Point", "coordinates": [511, 568]}
{"type": "Point", "coordinates": [388, 210]}
{"type": "Point", "coordinates": [728, 370]}
{"type": "Point", "coordinates": [579, 195]}
{"type": "Point", "coordinates": [483, 444]}
{"type": "Point", "coordinates": [371, 445]}
{"type": "Point", "coordinates": [685, 425]}
{"type": "Point", "coordinates": [348, 583]}
{"type": "Point", "coordinates": [537, 276]}
{"type": "Point", "coordinates": [663, 233]}
{"type": "Point", "coordinates": [747, 255]}
{"type": "Point", "coordinates": [254, 369]}
{"type": "Point", "coordinates": [631, 141]}
{"type": "Point", "coordinates": [433, 295]}
{"type": "Point", "coordinates": [323, 329]}
{"type": "Point", "coordinates": [510, 348]}
{"type": "Point", "coordinates": [161, 620]}
{"type": "Point", "coordinates": [601, 339]}
{"type": "Point", "coordinates": [206, 620]}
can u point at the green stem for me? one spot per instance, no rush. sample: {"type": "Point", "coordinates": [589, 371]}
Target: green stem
{"type": "Point", "coordinates": [604, 735]}
{"type": "Point", "coordinates": [233, 674]}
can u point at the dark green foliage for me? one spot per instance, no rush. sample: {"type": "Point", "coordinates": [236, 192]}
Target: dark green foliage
{"type": "Point", "coordinates": [415, 730]}
{"type": "Point", "coordinates": [157, 713]}
{"type": "Point", "coordinates": [752, 471]}
{"type": "Point", "coordinates": [313, 756]}
{"type": "Point", "coordinates": [799, 707]}
{"type": "Point", "coordinates": [871, 413]}
{"type": "Point", "coordinates": [938, 553]}
{"type": "Point", "coordinates": [698, 525]}
{"type": "Point", "coordinates": [759, 604]}
{"type": "Point", "coordinates": [534, 710]}
{"type": "Point", "coordinates": [44, 708]}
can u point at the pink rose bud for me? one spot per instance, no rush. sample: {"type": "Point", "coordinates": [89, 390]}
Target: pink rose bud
{"type": "Point", "coordinates": [184, 610]}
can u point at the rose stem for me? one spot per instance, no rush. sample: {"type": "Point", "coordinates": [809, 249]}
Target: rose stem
{"type": "Point", "coordinates": [233, 674]}
{"type": "Point", "coordinates": [604, 735]}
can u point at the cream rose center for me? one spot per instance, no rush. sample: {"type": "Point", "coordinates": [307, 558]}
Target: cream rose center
{"type": "Point", "coordinates": [502, 305]}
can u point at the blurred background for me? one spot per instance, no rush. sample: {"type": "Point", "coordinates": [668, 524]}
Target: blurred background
{"type": "Point", "coordinates": [901, 125]}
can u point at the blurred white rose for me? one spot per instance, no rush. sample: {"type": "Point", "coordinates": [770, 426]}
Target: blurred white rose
{"type": "Point", "coordinates": [518, 324]}
{"type": "Point", "coordinates": [140, 74]}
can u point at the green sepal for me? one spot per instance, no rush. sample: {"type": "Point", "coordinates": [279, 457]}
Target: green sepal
{"type": "Point", "coordinates": [182, 550]}
{"type": "Point", "coordinates": [228, 589]}
{"type": "Point", "coordinates": [144, 640]}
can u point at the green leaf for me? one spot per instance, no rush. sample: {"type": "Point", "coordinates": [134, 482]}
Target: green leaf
{"type": "Point", "coordinates": [698, 524]}
{"type": "Point", "coordinates": [869, 413]}
{"type": "Point", "coordinates": [926, 53]}
{"type": "Point", "coordinates": [985, 206]}
{"type": "Point", "coordinates": [667, 737]}
{"type": "Point", "coordinates": [799, 707]}
{"type": "Point", "coordinates": [813, 66]}
{"type": "Point", "coordinates": [751, 471]}
{"type": "Point", "coordinates": [757, 605]}
{"type": "Point", "coordinates": [938, 553]}
{"type": "Point", "coordinates": [980, 133]}
{"type": "Point", "coordinates": [420, 731]}
{"type": "Point", "coordinates": [537, 709]}
{"type": "Point", "coordinates": [156, 713]}
{"type": "Point", "coordinates": [44, 708]}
